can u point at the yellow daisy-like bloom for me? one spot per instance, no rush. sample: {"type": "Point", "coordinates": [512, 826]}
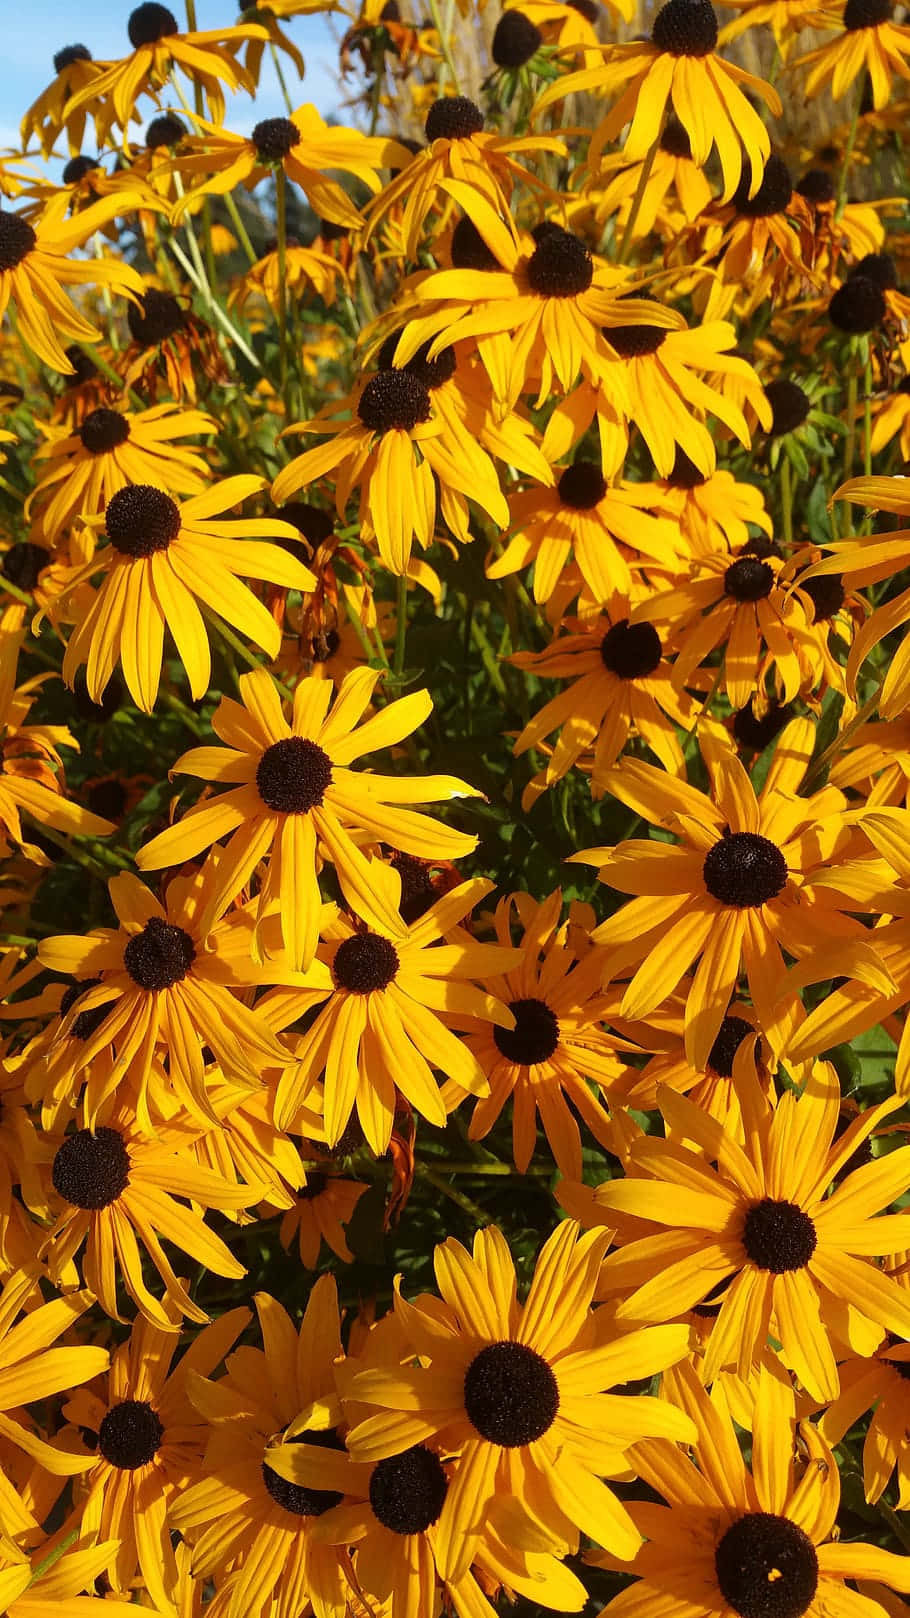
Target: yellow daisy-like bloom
{"type": "Point", "coordinates": [162, 560]}
{"type": "Point", "coordinates": [114, 1188]}
{"type": "Point", "coordinates": [547, 292]}
{"type": "Point", "coordinates": [735, 889]}
{"type": "Point", "coordinates": [47, 116]}
{"type": "Point", "coordinates": [732, 1540]}
{"type": "Point", "coordinates": [305, 269]}
{"type": "Point", "coordinates": [785, 18]}
{"type": "Point", "coordinates": [304, 146]}
{"type": "Point", "coordinates": [558, 1049]}
{"type": "Point", "coordinates": [877, 1383]}
{"type": "Point", "coordinates": [870, 42]}
{"type": "Point", "coordinates": [585, 517]}
{"type": "Point", "coordinates": [657, 381]}
{"type": "Point", "coordinates": [34, 269]}
{"type": "Point", "coordinates": [759, 246]}
{"type": "Point", "coordinates": [482, 165]}
{"type": "Point", "coordinates": [148, 1443]}
{"type": "Point", "coordinates": [320, 1212]}
{"type": "Point", "coordinates": [32, 1370]}
{"type": "Point", "coordinates": [390, 993]}
{"type": "Point", "coordinates": [740, 605]}
{"type": "Point", "coordinates": [520, 1391]}
{"type": "Point", "coordinates": [159, 984]}
{"type": "Point", "coordinates": [296, 796]}
{"type": "Point", "coordinates": [679, 65]}
{"type": "Point", "coordinates": [735, 1058]}
{"type": "Point", "coordinates": [866, 560]}
{"type": "Point", "coordinates": [109, 449]}
{"type": "Point", "coordinates": [160, 50]}
{"type": "Point", "coordinates": [890, 417]}
{"type": "Point", "coordinates": [244, 1515]}
{"type": "Point", "coordinates": [29, 755]}
{"type": "Point", "coordinates": [389, 437]}
{"type": "Point", "coordinates": [674, 185]}
{"type": "Point", "coordinates": [712, 513]}
{"type": "Point", "coordinates": [795, 1248]}
{"type": "Point", "coordinates": [620, 682]}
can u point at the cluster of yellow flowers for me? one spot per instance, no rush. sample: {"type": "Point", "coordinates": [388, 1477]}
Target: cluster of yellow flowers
{"type": "Point", "coordinates": [611, 338]}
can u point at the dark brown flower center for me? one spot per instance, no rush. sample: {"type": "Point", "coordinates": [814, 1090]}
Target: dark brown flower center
{"type": "Point", "coordinates": [744, 870]}
{"type": "Point", "coordinates": [858, 306]}
{"type": "Point", "coordinates": [634, 342]}
{"type": "Point", "coordinates": [149, 23]}
{"type": "Point", "coordinates": [69, 54]}
{"type": "Point", "coordinates": [582, 486]}
{"type": "Point", "coordinates": [293, 776]}
{"type": "Point", "coordinates": [130, 1435]}
{"type": "Point", "coordinates": [515, 40]}
{"type": "Point", "coordinates": [790, 406]}
{"type": "Point", "coordinates": [772, 196]}
{"type": "Point", "coordinates": [748, 579]}
{"type": "Point", "coordinates": [274, 138]}
{"type": "Point", "coordinates": [141, 520]}
{"type": "Point", "coordinates": [408, 1491]}
{"type": "Point", "coordinates": [394, 398]}
{"type": "Point", "coordinates": [91, 1170]}
{"type": "Point", "coordinates": [511, 1396]}
{"type": "Point", "coordinates": [866, 14]}
{"type": "Point", "coordinates": [157, 316]}
{"type": "Point", "coordinates": [85, 1023]}
{"type": "Point", "coordinates": [778, 1236]}
{"type": "Point", "coordinates": [534, 1037]}
{"type": "Point", "coordinates": [296, 1498]}
{"type": "Point", "coordinates": [685, 28]}
{"type": "Point", "coordinates": [453, 118]}
{"type": "Point", "coordinates": [730, 1035]}
{"type": "Point", "coordinates": [16, 239]}
{"type": "Point", "coordinates": [630, 651]}
{"type": "Point", "coordinates": [22, 564]}
{"type": "Point", "coordinates": [766, 1567]}
{"type": "Point", "coordinates": [159, 956]}
{"type": "Point", "coordinates": [561, 265]}
{"type": "Point", "coordinates": [364, 963]}
{"type": "Point", "coordinates": [103, 430]}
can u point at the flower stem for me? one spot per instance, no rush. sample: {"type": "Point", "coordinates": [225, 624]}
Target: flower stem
{"type": "Point", "coordinates": [281, 79]}
{"type": "Point", "coordinates": [240, 227]}
{"type": "Point", "coordinates": [401, 623]}
{"type": "Point", "coordinates": [443, 26]}
{"type": "Point", "coordinates": [848, 152]}
{"type": "Point", "coordinates": [867, 416]}
{"type": "Point", "coordinates": [786, 498]}
{"type": "Point", "coordinates": [281, 218]}
{"type": "Point", "coordinates": [638, 198]}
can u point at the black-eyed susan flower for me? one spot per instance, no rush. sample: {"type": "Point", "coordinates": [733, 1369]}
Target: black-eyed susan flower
{"type": "Point", "coordinates": [712, 513]}
{"type": "Point", "coordinates": [737, 603]}
{"type": "Point", "coordinates": [305, 269]}
{"type": "Point", "coordinates": [304, 146]}
{"type": "Point", "coordinates": [620, 683]}
{"type": "Point", "coordinates": [679, 66]}
{"type": "Point", "coordinates": [734, 1060]}
{"type": "Point", "coordinates": [114, 1188]}
{"type": "Point", "coordinates": [866, 560]}
{"type": "Point", "coordinates": [35, 269]}
{"type": "Point", "coordinates": [546, 292]}
{"type": "Point", "coordinates": [391, 994]}
{"type": "Point", "coordinates": [29, 758]}
{"type": "Point", "coordinates": [558, 1056]}
{"type": "Point", "coordinates": [877, 1383]}
{"type": "Point", "coordinates": [296, 795]}
{"type": "Point", "coordinates": [159, 50]}
{"type": "Point", "coordinates": [870, 42]}
{"type": "Point", "coordinates": [601, 525]}
{"type": "Point", "coordinates": [388, 438]}
{"type": "Point", "coordinates": [760, 1542]}
{"type": "Point", "coordinates": [162, 559]}
{"type": "Point", "coordinates": [47, 116]}
{"type": "Point", "coordinates": [80, 472]}
{"type": "Point", "coordinates": [757, 242]}
{"type": "Point", "coordinates": [735, 889]}
{"type": "Point", "coordinates": [481, 162]}
{"type": "Point", "coordinates": [32, 1369]}
{"type": "Point", "coordinates": [797, 1249]}
{"type": "Point", "coordinates": [675, 189]}
{"type": "Point", "coordinates": [319, 1214]}
{"type": "Point", "coordinates": [665, 382]}
{"type": "Point", "coordinates": [158, 985]}
{"type": "Point", "coordinates": [513, 1388]}
{"type": "Point", "coordinates": [244, 1515]}
{"type": "Point", "coordinates": [146, 1442]}
{"type": "Point", "coordinates": [171, 344]}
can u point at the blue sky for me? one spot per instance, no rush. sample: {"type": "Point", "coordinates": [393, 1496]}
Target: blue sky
{"type": "Point", "coordinates": [26, 62]}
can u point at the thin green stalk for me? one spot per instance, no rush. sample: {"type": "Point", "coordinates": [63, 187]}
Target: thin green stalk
{"type": "Point", "coordinates": [218, 314]}
{"type": "Point", "coordinates": [240, 227]}
{"type": "Point", "coordinates": [98, 360]}
{"type": "Point", "coordinates": [281, 79]}
{"type": "Point", "coordinates": [848, 152]}
{"type": "Point", "coordinates": [786, 497]}
{"type": "Point", "coordinates": [281, 214]}
{"type": "Point", "coordinates": [443, 26]}
{"type": "Point", "coordinates": [842, 738]}
{"type": "Point", "coordinates": [867, 416]}
{"type": "Point", "coordinates": [401, 624]}
{"type": "Point", "coordinates": [238, 646]}
{"type": "Point", "coordinates": [638, 198]}
{"type": "Point", "coordinates": [488, 657]}
{"type": "Point", "coordinates": [472, 1209]}
{"type": "Point", "coordinates": [850, 441]}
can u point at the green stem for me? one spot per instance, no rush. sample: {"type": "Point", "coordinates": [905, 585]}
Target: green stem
{"type": "Point", "coordinates": [281, 79]}
{"type": "Point", "coordinates": [841, 739]}
{"type": "Point", "coordinates": [443, 26]}
{"type": "Point", "coordinates": [240, 227]}
{"type": "Point", "coordinates": [106, 369]}
{"type": "Point", "coordinates": [635, 209]}
{"type": "Point", "coordinates": [215, 308]}
{"type": "Point", "coordinates": [401, 623]}
{"type": "Point", "coordinates": [472, 1209]}
{"type": "Point", "coordinates": [238, 646]}
{"type": "Point", "coordinates": [867, 416]}
{"type": "Point", "coordinates": [786, 497]}
{"type": "Point", "coordinates": [848, 153]}
{"type": "Point", "coordinates": [850, 442]}
{"type": "Point", "coordinates": [281, 212]}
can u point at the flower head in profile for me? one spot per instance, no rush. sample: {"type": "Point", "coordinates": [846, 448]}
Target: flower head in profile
{"type": "Point", "coordinates": [162, 559]}
{"type": "Point", "coordinates": [294, 795]}
{"type": "Point", "coordinates": [521, 1391]}
{"type": "Point", "coordinates": [679, 67]}
{"type": "Point", "coordinates": [49, 114]}
{"type": "Point", "coordinates": [869, 42]}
